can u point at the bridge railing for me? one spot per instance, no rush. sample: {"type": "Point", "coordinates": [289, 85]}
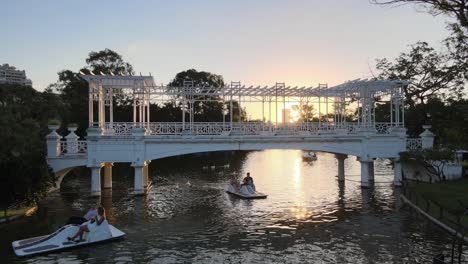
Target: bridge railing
{"type": "Point", "coordinates": [413, 143]}
{"type": "Point", "coordinates": [247, 128]}
{"type": "Point", "coordinates": [73, 148]}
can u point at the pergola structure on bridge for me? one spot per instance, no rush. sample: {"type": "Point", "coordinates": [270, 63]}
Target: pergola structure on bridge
{"type": "Point", "coordinates": [330, 100]}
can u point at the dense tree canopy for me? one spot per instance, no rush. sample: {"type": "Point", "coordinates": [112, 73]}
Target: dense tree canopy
{"type": "Point", "coordinates": [205, 110]}
{"type": "Point", "coordinates": [24, 114]}
{"type": "Point", "coordinates": [107, 61]}
{"type": "Point", "coordinates": [430, 73]}
{"type": "Point", "coordinates": [74, 90]}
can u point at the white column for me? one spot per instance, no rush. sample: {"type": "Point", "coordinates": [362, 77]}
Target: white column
{"type": "Point", "coordinates": [90, 106]}
{"type": "Point", "coordinates": [371, 170]}
{"type": "Point", "coordinates": [111, 107]}
{"type": "Point", "coordinates": [341, 170]}
{"type": "Point", "coordinates": [95, 181]}
{"type": "Point", "coordinates": [138, 185]}
{"type": "Point", "coordinates": [108, 175]}
{"type": "Point", "coordinates": [364, 174]}
{"type": "Point", "coordinates": [102, 107]}
{"type": "Point", "coordinates": [397, 172]}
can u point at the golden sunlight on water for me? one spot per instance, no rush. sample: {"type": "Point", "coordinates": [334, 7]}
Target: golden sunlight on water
{"type": "Point", "coordinates": [307, 215]}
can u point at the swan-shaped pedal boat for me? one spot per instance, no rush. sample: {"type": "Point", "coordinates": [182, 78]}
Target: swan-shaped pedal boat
{"type": "Point", "coordinates": [245, 193]}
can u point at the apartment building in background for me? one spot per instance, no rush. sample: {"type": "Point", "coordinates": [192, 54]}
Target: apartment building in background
{"type": "Point", "coordinates": [9, 74]}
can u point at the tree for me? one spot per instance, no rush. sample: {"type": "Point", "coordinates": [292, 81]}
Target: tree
{"type": "Point", "coordinates": [108, 61]}
{"type": "Point", "coordinates": [429, 72]}
{"type": "Point", "coordinates": [206, 108]}
{"type": "Point", "coordinates": [452, 8]}
{"type": "Point", "coordinates": [305, 113]}
{"type": "Point", "coordinates": [74, 90]}
{"type": "Point", "coordinates": [432, 160]}
{"type": "Point", "coordinates": [24, 113]}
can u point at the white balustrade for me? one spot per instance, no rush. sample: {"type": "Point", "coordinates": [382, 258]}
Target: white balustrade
{"type": "Point", "coordinates": [413, 143]}
{"type": "Point", "coordinates": [73, 148]}
{"type": "Point", "coordinates": [246, 128]}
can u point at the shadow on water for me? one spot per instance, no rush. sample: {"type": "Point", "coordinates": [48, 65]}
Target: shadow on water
{"type": "Point", "coordinates": [188, 216]}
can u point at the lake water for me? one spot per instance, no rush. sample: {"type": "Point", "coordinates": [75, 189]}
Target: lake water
{"type": "Point", "coordinates": [187, 217]}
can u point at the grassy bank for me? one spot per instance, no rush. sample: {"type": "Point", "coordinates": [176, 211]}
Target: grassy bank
{"type": "Point", "coordinates": [445, 201]}
{"type": "Point", "coordinates": [16, 212]}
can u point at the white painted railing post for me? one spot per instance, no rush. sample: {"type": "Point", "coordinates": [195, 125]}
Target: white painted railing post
{"type": "Point", "coordinates": [427, 138]}
{"type": "Point", "coordinates": [53, 142]}
{"type": "Point", "coordinates": [72, 141]}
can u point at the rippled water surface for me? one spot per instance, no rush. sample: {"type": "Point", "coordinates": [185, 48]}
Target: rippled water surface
{"type": "Point", "coordinates": [187, 217]}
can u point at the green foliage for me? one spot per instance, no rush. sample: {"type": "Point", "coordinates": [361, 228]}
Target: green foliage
{"type": "Point", "coordinates": [54, 122]}
{"type": "Point", "coordinates": [107, 61]}
{"type": "Point", "coordinates": [429, 72]}
{"type": "Point", "coordinates": [199, 79]}
{"type": "Point", "coordinates": [204, 109]}
{"type": "Point", "coordinates": [24, 115]}
{"type": "Point", "coordinates": [433, 160]}
{"type": "Point", "coordinates": [429, 154]}
{"type": "Point", "coordinates": [451, 8]}
{"type": "Point", "coordinates": [74, 92]}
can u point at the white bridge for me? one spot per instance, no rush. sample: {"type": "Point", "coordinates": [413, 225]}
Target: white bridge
{"type": "Point", "coordinates": [324, 127]}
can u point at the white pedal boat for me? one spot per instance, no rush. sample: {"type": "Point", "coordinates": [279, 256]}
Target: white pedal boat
{"type": "Point", "coordinates": [309, 156]}
{"type": "Point", "coordinates": [244, 194]}
{"type": "Point", "coordinates": [58, 240]}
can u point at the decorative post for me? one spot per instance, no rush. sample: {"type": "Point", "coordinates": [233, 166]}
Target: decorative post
{"type": "Point", "coordinates": [427, 138]}
{"type": "Point", "coordinates": [72, 140]}
{"type": "Point", "coordinates": [53, 142]}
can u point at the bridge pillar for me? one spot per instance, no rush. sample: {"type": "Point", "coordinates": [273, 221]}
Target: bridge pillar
{"type": "Point", "coordinates": [397, 176]}
{"type": "Point", "coordinates": [371, 170]}
{"type": "Point", "coordinates": [108, 174]}
{"type": "Point", "coordinates": [364, 173]}
{"type": "Point", "coordinates": [341, 169]}
{"type": "Point", "coordinates": [145, 173]}
{"type": "Point", "coordinates": [138, 184]}
{"type": "Point", "coordinates": [96, 181]}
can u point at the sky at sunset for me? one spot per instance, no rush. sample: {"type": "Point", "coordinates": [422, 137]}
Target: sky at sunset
{"type": "Point", "coordinates": [255, 42]}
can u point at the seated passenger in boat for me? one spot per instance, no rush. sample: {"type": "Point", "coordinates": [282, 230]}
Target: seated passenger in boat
{"type": "Point", "coordinates": [94, 226]}
{"type": "Point", "coordinates": [234, 183]}
{"type": "Point", "coordinates": [249, 181]}
{"type": "Point", "coordinates": [77, 220]}
{"type": "Point", "coordinates": [246, 187]}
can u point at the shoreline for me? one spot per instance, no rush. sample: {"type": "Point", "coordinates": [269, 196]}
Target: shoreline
{"type": "Point", "coordinates": [30, 211]}
{"type": "Point", "coordinates": [433, 219]}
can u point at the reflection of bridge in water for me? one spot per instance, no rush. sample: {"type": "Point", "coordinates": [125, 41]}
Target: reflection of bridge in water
{"type": "Point", "coordinates": [141, 140]}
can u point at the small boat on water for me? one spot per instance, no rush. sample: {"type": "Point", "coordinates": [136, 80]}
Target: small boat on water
{"type": "Point", "coordinates": [309, 156]}
{"type": "Point", "coordinates": [244, 193]}
{"type": "Point", "coordinates": [58, 240]}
